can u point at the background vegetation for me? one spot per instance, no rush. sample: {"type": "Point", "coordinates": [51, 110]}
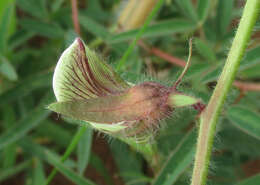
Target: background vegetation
{"type": "Point", "coordinates": [33, 34]}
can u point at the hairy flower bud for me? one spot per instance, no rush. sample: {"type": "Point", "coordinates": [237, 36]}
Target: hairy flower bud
{"type": "Point", "coordinates": [87, 89]}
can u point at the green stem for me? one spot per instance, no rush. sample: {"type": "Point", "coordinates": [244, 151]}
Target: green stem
{"type": "Point", "coordinates": [210, 116]}
{"type": "Point", "coordinates": [68, 151]}
{"type": "Point", "coordinates": [139, 34]}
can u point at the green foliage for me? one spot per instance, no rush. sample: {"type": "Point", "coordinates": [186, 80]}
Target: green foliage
{"type": "Point", "coordinates": [33, 34]}
{"type": "Point", "coordinates": [248, 121]}
{"type": "Point", "coordinates": [178, 160]}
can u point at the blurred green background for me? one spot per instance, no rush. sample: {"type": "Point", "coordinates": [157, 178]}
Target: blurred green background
{"type": "Point", "coordinates": [33, 34]}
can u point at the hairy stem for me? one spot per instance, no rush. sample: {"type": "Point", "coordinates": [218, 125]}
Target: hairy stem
{"type": "Point", "coordinates": [210, 116]}
{"type": "Point", "coordinates": [74, 7]}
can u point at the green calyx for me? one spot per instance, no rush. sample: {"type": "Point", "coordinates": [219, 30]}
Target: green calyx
{"type": "Point", "coordinates": [181, 100]}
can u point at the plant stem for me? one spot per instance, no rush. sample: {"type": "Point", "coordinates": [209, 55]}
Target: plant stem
{"type": "Point", "coordinates": [74, 7]}
{"type": "Point", "coordinates": [241, 85]}
{"type": "Point", "coordinates": [68, 151]}
{"type": "Point", "coordinates": [247, 86]}
{"type": "Point", "coordinates": [138, 35]}
{"type": "Point", "coordinates": [210, 116]}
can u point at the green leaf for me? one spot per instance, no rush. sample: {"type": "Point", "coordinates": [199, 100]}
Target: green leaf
{"type": "Point", "coordinates": [24, 87]}
{"type": "Point", "coordinates": [9, 120]}
{"type": "Point", "coordinates": [205, 50]}
{"type": "Point", "coordinates": [7, 70]}
{"type": "Point", "coordinates": [203, 9]}
{"type": "Point", "coordinates": [53, 159]}
{"type": "Point", "coordinates": [10, 172]}
{"type": "Point", "coordinates": [161, 28]}
{"type": "Point", "coordinates": [84, 150]}
{"type": "Point", "coordinates": [70, 36]}
{"type": "Point", "coordinates": [100, 167]}
{"type": "Point", "coordinates": [93, 27]}
{"type": "Point", "coordinates": [50, 30]}
{"type": "Point", "coordinates": [54, 132]}
{"type": "Point", "coordinates": [195, 70]}
{"type": "Point", "coordinates": [4, 6]}
{"type": "Point", "coordinates": [224, 12]}
{"type": "Point", "coordinates": [55, 6]}
{"type": "Point", "coordinates": [96, 10]}
{"type": "Point", "coordinates": [178, 161]}
{"type": "Point", "coordinates": [250, 181]}
{"type": "Point", "coordinates": [131, 166]}
{"type": "Point", "coordinates": [245, 119]}
{"type": "Point", "coordinates": [38, 173]}
{"type": "Point", "coordinates": [251, 58]}
{"type": "Point", "coordinates": [212, 74]}
{"type": "Point", "coordinates": [19, 38]}
{"type": "Point", "coordinates": [187, 9]}
{"type": "Point", "coordinates": [32, 120]}
{"type": "Point", "coordinates": [34, 8]}
{"type": "Point", "coordinates": [5, 24]}
{"type": "Point", "coordinates": [251, 72]}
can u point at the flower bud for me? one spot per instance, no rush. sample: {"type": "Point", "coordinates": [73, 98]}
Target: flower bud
{"type": "Point", "coordinates": [87, 89]}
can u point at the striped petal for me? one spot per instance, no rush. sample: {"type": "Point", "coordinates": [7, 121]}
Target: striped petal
{"type": "Point", "coordinates": [82, 74]}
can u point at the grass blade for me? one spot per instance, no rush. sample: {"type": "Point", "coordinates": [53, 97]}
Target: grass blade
{"type": "Point", "coordinates": [224, 12]}
{"type": "Point", "coordinates": [38, 173]}
{"type": "Point", "coordinates": [94, 27]}
{"type": "Point", "coordinates": [84, 150]}
{"type": "Point", "coordinates": [245, 119]}
{"type": "Point", "coordinates": [26, 86]}
{"type": "Point", "coordinates": [49, 30]}
{"type": "Point", "coordinates": [251, 180]}
{"type": "Point", "coordinates": [98, 164]}
{"type": "Point", "coordinates": [203, 9]}
{"type": "Point", "coordinates": [205, 50]}
{"type": "Point", "coordinates": [68, 151]}
{"type": "Point", "coordinates": [7, 69]}
{"type": "Point", "coordinates": [34, 8]}
{"type": "Point", "coordinates": [178, 161]}
{"type": "Point", "coordinates": [4, 26]}
{"type": "Point", "coordinates": [53, 159]}
{"type": "Point", "coordinates": [9, 152]}
{"type": "Point", "coordinates": [55, 133]}
{"type": "Point", "coordinates": [161, 28]}
{"type": "Point", "coordinates": [187, 9]}
{"type": "Point", "coordinates": [14, 170]}
{"type": "Point", "coordinates": [251, 59]}
{"type": "Point", "coordinates": [32, 120]}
